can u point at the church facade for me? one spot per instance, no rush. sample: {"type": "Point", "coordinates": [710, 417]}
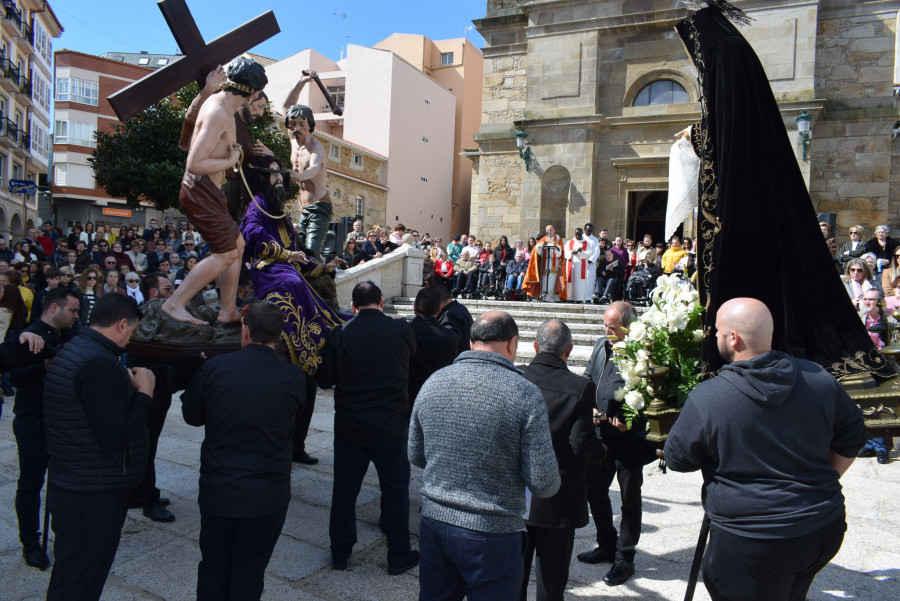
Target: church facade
{"type": "Point", "coordinates": [600, 87]}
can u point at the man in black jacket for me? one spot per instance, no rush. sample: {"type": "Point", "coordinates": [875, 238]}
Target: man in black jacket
{"type": "Point", "coordinates": [618, 548]}
{"type": "Point", "coordinates": [245, 461]}
{"type": "Point", "coordinates": [454, 316]}
{"type": "Point", "coordinates": [367, 361]}
{"type": "Point", "coordinates": [436, 346]}
{"type": "Point", "coordinates": [551, 522]}
{"type": "Point", "coordinates": [55, 327]}
{"type": "Point", "coordinates": [95, 422]}
{"type": "Point", "coordinates": [772, 435]}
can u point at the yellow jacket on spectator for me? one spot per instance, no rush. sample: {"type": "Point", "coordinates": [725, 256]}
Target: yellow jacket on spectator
{"type": "Point", "coordinates": [672, 256]}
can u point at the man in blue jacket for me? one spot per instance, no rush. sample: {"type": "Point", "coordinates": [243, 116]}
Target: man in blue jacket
{"type": "Point", "coordinates": [772, 435]}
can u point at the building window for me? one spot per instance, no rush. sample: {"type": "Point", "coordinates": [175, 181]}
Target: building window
{"type": "Point", "coordinates": [424, 180]}
{"type": "Point", "coordinates": [336, 193]}
{"type": "Point", "coordinates": [78, 90]}
{"type": "Point", "coordinates": [427, 102]}
{"type": "Point", "coordinates": [337, 94]}
{"type": "Point", "coordinates": [662, 91]}
{"type": "Point", "coordinates": [357, 159]}
{"type": "Point", "coordinates": [446, 58]}
{"type": "Point", "coordinates": [75, 132]}
{"type": "Point", "coordinates": [359, 206]}
{"type": "Point", "coordinates": [42, 43]}
{"type": "Point", "coordinates": [162, 62]}
{"type": "Point", "coordinates": [334, 151]}
{"type": "Point", "coordinates": [426, 140]}
{"type": "Point", "coordinates": [40, 89]}
{"type": "Point", "coordinates": [144, 61]}
{"type": "Point", "coordinates": [2, 167]}
{"type": "Point", "coordinates": [60, 176]}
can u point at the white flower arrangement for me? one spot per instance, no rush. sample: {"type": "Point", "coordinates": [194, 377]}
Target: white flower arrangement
{"type": "Point", "coordinates": [668, 334]}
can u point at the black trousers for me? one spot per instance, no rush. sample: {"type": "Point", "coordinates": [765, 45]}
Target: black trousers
{"type": "Point", "coordinates": [147, 492]}
{"type": "Point", "coordinates": [748, 569]}
{"type": "Point", "coordinates": [236, 552]}
{"type": "Point", "coordinates": [630, 479]}
{"type": "Point", "coordinates": [87, 528]}
{"type": "Point", "coordinates": [553, 547]}
{"type": "Point", "coordinates": [304, 416]}
{"type": "Point", "coordinates": [33, 459]}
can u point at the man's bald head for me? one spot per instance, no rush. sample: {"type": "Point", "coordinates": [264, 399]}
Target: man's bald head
{"type": "Point", "coordinates": [745, 329]}
{"type": "Point", "coordinates": [495, 331]}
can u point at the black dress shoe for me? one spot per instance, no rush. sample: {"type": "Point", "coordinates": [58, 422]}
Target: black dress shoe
{"type": "Point", "coordinates": [304, 458]}
{"type": "Point", "coordinates": [134, 502]}
{"type": "Point", "coordinates": [158, 513]}
{"type": "Point", "coordinates": [882, 457]}
{"type": "Point", "coordinates": [620, 571]}
{"type": "Point", "coordinates": [598, 555]}
{"type": "Point", "coordinates": [35, 557]}
{"type": "Point", "coordinates": [866, 452]}
{"type": "Point", "coordinates": [412, 560]}
{"type": "Point", "coordinates": [339, 565]}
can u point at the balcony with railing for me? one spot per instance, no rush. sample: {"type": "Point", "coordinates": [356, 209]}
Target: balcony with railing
{"type": "Point", "coordinates": [23, 94]}
{"type": "Point", "coordinates": [26, 38]}
{"type": "Point", "coordinates": [12, 20]}
{"type": "Point", "coordinates": [9, 75]}
{"type": "Point", "coordinates": [24, 146]}
{"type": "Point", "coordinates": [5, 140]}
{"type": "Point", "coordinates": [10, 130]}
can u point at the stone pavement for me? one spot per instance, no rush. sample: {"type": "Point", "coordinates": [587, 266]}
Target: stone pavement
{"type": "Point", "coordinates": [159, 561]}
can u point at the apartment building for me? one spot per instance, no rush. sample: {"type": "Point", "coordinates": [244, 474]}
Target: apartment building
{"type": "Point", "coordinates": [83, 83]}
{"type": "Point", "coordinates": [27, 29]}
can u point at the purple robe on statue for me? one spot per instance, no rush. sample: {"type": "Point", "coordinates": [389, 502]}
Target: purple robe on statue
{"type": "Point", "coordinates": [307, 318]}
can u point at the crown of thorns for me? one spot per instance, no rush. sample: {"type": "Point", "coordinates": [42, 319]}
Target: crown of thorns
{"type": "Point", "coordinates": [237, 86]}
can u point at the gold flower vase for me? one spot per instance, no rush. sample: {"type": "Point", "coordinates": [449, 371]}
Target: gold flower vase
{"type": "Point", "coordinates": [661, 413]}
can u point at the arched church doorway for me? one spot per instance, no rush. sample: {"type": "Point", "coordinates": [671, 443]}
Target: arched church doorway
{"type": "Point", "coordinates": [649, 215]}
{"type": "Point", "coordinates": [555, 188]}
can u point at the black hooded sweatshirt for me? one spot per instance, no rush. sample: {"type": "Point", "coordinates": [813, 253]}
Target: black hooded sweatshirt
{"type": "Point", "coordinates": [762, 432]}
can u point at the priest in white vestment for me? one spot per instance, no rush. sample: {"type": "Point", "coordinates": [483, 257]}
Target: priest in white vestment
{"type": "Point", "coordinates": [578, 251]}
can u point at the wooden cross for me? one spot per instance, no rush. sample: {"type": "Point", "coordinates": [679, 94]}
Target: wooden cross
{"type": "Point", "coordinates": [199, 57]}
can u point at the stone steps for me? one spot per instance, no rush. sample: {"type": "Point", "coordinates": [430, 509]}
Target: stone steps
{"type": "Point", "coordinates": [585, 322]}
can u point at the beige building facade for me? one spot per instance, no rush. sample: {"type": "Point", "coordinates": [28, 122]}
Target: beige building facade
{"type": "Point", "coordinates": [601, 87]}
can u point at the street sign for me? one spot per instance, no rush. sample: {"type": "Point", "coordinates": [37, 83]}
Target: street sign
{"type": "Point", "coordinates": [22, 186]}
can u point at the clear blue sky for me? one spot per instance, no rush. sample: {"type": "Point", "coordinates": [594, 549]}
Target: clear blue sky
{"type": "Point", "coordinates": [98, 26]}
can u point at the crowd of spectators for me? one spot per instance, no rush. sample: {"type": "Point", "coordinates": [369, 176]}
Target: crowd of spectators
{"type": "Point", "coordinates": [93, 263]}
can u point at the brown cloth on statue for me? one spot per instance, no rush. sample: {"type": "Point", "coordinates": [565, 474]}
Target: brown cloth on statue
{"type": "Point", "coordinates": [204, 204]}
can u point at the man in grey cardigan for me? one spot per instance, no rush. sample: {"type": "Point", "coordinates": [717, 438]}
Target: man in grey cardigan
{"type": "Point", "coordinates": [480, 431]}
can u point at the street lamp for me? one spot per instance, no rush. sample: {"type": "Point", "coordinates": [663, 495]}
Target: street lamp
{"type": "Point", "coordinates": [524, 149]}
{"type": "Point", "coordinates": [803, 123]}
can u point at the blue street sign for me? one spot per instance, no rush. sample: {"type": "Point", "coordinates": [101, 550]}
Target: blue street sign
{"type": "Point", "coordinates": [22, 186]}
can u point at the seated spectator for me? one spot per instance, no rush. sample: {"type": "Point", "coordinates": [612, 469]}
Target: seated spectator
{"type": "Point", "coordinates": [52, 278]}
{"type": "Point", "coordinates": [58, 256]}
{"type": "Point", "coordinates": [127, 239]}
{"type": "Point", "coordinates": [5, 253]}
{"type": "Point", "coordinates": [67, 278]}
{"type": "Point", "coordinates": [121, 258]}
{"type": "Point", "coordinates": [396, 236]}
{"type": "Point", "coordinates": [83, 256]}
{"type": "Point", "coordinates": [111, 282]}
{"type": "Point", "coordinates": [609, 270]}
{"type": "Point", "coordinates": [488, 270]}
{"type": "Point", "coordinates": [529, 250]}
{"type": "Point", "coordinates": [503, 254]}
{"type": "Point", "coordinates": [157, 255]}
{"type": "Point", "coordinates": [133, 287]}
{"type": "Point", "coordinates": [350, 254]}
{"type": "Point", "coordinates": [466, 272]}
{"type": "Point", "coordinates": [873, 264]}
{"type": "Point", "coordinates": [14, 277]}
{"type": "Point", "coordinates": [89, 291]}
{"type": "Point", "coordinates": [858, 280]}
{"type": "Point", "coordinates": [96, 256]}
{"type": "Point", "coordinates": [103, 246]}
{"type": "Point", "coordinates": [428, 267]}
{"type": "Point", "coordinates": [109, 262]}
{"type": "Point", "coordinates": [443, 270]}
{"type": "Point", "coordinates": [386, 244]}
{"type": "Point", "coordinates": [23, 253]}
{"type": "Point", "coordinates": [483, 251]}
{"type": "Point", "coordinates": [137, 256]}
{"type": "Point", "coordinates": [515, 271]}
{"type": "Point", "coordinates": [185, 270]}
{"type": "Point", "coordinates": [187, 247]}
{"type": "Point", "coordinates": [673, 258]}
{"type": "Point", "coordinates": [371, 248]}
{"type": "Point", "coordinates": [454, 249]}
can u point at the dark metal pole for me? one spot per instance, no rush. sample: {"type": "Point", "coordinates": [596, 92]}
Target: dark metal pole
{"type": "Point", "coordinates": [698, 558]}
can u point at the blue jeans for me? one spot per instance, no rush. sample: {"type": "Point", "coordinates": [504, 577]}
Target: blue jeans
{"type": "Point", "coordinates": [457, 562]}
{"type": "Point", "coordinates": [514, 282]}
{"type": "Point", "coordinates": [350, 465]}
{"type": "Point", "coordinates": [33, 460]}
{"type": "Point", "coordinates": [313, 227]}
